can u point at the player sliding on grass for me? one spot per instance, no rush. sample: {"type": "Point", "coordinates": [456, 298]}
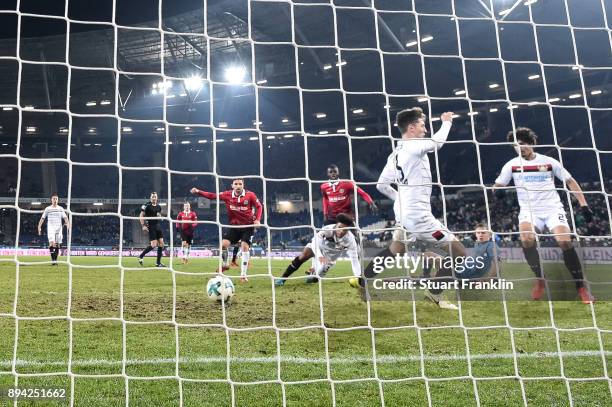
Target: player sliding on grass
{"type": "Point", "coordinates": [337, 196]}
{"type": "Point", "coordinates": [534, 179]}
{"type": "Point", "coordinates": [152, 211]}
{"type": "Point", "coordinates": [408, 168]}
{"type": "Point", "coordinates": [244, 212]}
{"type": "Point", "coordinates": [327, 245]}
{"type": "Point", "coordinates": [55, 215]}
{"type": "Point", "coordinates": [186, 223]}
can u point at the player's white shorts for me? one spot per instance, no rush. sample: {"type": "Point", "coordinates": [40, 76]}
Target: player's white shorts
{"type": "Point", "coordinates": [425, 228]}
{"type": "Point", "coordinates": [550, 219]}
{"type": "Point", "coordinates": [332, 257]}
{"type": "Point", "coordinates": [55, 235]}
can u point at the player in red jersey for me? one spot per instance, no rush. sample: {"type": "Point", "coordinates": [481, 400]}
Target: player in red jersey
{"type": "Point", "coordinates": [244, 212]}
{"type": "Point", "coordinates": [186, 223]}
{"type": "Point", "coordinates": [337, 196]}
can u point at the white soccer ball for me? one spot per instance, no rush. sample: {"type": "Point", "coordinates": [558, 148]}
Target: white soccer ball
{"type": "Point", "coordinates": [220, 288]}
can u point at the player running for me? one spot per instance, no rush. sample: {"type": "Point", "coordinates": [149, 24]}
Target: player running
{"type": "Point", "coordinates": [152, 211]}
{"type": "Point", "coordinates": [56, 218]}
{"type": "Point", "coordinates": [337, 196]}
{"type": "Point", "coordinates": [329, 244]}
{"type": "Point", "coordinates": [540, 207]}
{"type": "Point", "coordinates": [408, 167]}
{"type": "Point", "coordinates": [186, 223]}
{"type": "Point", "coordinates": [244, 211]}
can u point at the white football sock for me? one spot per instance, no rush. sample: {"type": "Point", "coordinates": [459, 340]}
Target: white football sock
{"type": "Point", "coordinates": [244, 264]}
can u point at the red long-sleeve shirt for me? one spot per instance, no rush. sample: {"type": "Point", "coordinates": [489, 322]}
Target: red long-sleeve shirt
{"type": "Point", "coordinates": [187, 221]}
{"type": "Point", "coordinates": [239, 207]}
{"type": "Point", "coordinates": [337, 197]}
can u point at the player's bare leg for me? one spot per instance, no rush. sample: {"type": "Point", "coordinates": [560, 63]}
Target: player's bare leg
{"type": "Point", "coordinates": [530, 250]}
{"type": "Point", "coordinates": [244, 263]}
{"type": "Point", "coordinates": [225, 244]}
{"type": "Point", "coordinates": [563, 237]}
{"type": "Point", "coordinates": [295, 264]}
{"type": "Point", "coordinates": [455, 249]}
{"type": "Point", "coordinates": [185, 251]}
{"type": "Point", "coordinates": [160, 252]}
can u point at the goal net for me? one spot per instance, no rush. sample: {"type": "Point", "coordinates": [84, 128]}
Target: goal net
{"type": "Point", "coordinates": [103, 104]}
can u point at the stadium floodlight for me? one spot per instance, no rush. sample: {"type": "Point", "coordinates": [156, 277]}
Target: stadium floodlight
{"type": "Point", "coordinates": [31, 129]}
{"type": "Point", "coordinates": [422, 99]}
{"type": "Point", "coordinates": [427, 38]}
{"type": "Point", "coordinates": [193, 83]}
{"type": "Point", "coordinates": [253, 138]}
{"type": "Point", "coordinates": [286, 136]}
{"type": "Point", "coordinates": [270, 137]}
{"type": "Point", "coordinates": [472, 113]}
{"type": "Point", "coordinates": [105, 102]}
{"type": "Point", "coordinates": [341, 131]}
{"type": "Point", "coordinates": [285, 120]}
{"type": "Point", "coordinates": [493, 85]}
{"type": "Point", "coordinates": [235, 74]}
{"type": "Point", "coordinates": [28, 107]}
{"type": "Point", "coordinates": [7, 108]}
{"type": "Point", "coordinates": [185, 142]}
{"type": "Point", "coordinates": [187, 128]}
{"type": "Point", "coordinates": [575, 95]}
{"type": "Point", "coordinates": [323, 132]}
{"type": "Point", "coordinates": [553, 100]}
{"type": "Point", "coordinates": [160, 129]}
{"type": "Point", "coordinates": [91, 103]}
{"type": "Point", "coordinates": [236, 139]}
{"type": "Point", "coordinates": [532, 77]}
{"type": "Point", "coordinates": [530, 2]}
{"type": "Point", "coordinates": [360, 129]}
{"type": "Point", "coordinates": [341, 63]}
{"type": "Point", "coordinates": [221, 124]}
{"type": "Point", "coordinates": [357, 111]}
{"type": "Point", "coordinates": [321, 115]}
{"type": "Point", "coordinates": [202, 141]}
{"type": "Point", "coordinates": [262, 81]}
{"type": "Point", "coordinates": [35, 203]}
{"type": "Point", "coordinates": [63, 130]}
{"type": "Point", "coordinates": [127, 129]}
{"type": "Point", "coordinates": [92, 130]}
{"type": "Point", "coordinates": [596, 92]}
{"type": "Point", "coordinates": [460, 92]}
{"type": "Point", "coordinates": [98, 204]}
{"type": "Point", "coordinates": [493, 110]}
{"type": "Point", "coordinates": [327, 66]}
{"type": "Point", "coordinates": [411, 43]}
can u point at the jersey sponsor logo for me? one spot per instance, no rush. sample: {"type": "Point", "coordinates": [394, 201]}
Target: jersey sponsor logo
{"type": "Point", "coordinates": [336, 198]}
{"type": "Point", "coordinates": [532, 168]}
{"type": "Point", "coordinates": [239, 208]}
{"type": "Point", "coordinates": [341, 190]}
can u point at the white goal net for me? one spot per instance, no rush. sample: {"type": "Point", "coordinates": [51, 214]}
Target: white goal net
{"type": "Point", "coordinates": [103, 104]}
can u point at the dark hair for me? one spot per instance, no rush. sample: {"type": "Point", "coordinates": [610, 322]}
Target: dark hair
{"type": "Point", "coordinates": [153, 193]}
{"type": "Point", "coordinates": [54, 194]}
{"type": "Point", "coordinates": [481, 225]}
{"type": "Point", "coordinates": [332, 166]}
{"type": "Point", "coordinates": [524, 134]}
{"type": "Point", "coordinates": [407, 117]}
{"type": "Point", "coordinates": [345, 219]}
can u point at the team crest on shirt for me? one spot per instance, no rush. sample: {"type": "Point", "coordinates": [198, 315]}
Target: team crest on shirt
{"type": "Point", "coordinates": [246, 201]}
{"type": "Point", "coordinates": [543, 168]}
{"type": "Point", "coordinates": [341, 190]}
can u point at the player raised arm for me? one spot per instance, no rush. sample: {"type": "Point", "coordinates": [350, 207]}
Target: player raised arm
{"type": "Point", "coordinates": [207, 195]}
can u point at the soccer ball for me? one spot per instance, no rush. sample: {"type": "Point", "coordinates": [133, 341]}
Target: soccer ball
{"type": "Point", "coordinates": [220, 288]}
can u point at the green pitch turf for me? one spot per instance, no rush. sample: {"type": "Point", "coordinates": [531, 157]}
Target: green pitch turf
{"type": "Point", "coordinates": [150, 338]}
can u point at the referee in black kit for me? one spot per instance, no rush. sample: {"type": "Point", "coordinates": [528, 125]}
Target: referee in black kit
{"type": "Point", "coordinates": [156, 239]}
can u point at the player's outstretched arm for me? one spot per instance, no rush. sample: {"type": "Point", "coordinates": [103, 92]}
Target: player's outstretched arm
{"type": "Point", "coordinates": [366, 197]}
{"type": "Point", "coordinates": [208, 195]}
{"type": "Point", "coordinates": [387, 177]}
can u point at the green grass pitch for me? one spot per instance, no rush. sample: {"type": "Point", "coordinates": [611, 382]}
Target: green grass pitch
{"type": "Point", "coordinates": [171, 349]}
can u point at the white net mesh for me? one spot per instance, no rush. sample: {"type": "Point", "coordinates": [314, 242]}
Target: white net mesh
{"type": "Point", "coordinates": [164, 96]}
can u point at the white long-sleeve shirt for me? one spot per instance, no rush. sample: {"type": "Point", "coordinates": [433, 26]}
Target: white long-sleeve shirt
{"type": "Point", "coordinates": [408, 167]}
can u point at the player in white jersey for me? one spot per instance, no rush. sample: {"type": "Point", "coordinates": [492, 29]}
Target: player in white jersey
{"type": "Point", "coordinates": [408, 167]}
{"type": "Point", "coordinates": [55, 216]}
{"type": "Point", "coordinates": [540, 206]}
{"type": "Point", "coordinates": [327, 246]}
